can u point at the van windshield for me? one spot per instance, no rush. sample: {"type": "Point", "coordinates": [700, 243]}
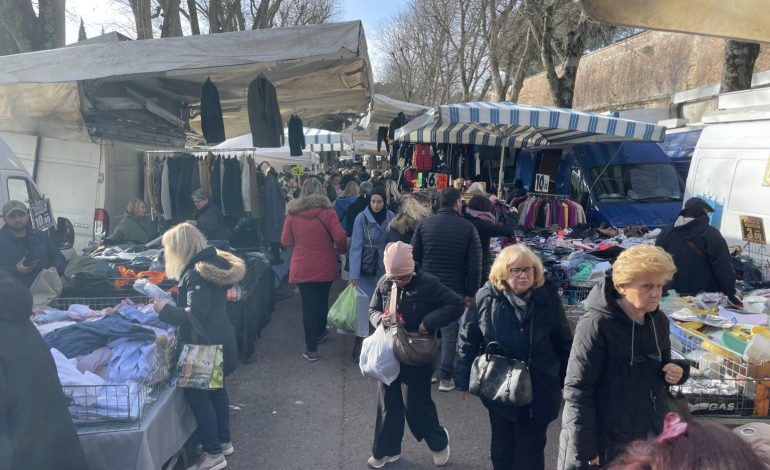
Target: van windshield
{"type": "Point", "coordinates": [645, 182]}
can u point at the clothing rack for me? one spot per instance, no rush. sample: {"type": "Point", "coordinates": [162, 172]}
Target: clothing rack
{"type": "Point", "coordinates": [546, 210]}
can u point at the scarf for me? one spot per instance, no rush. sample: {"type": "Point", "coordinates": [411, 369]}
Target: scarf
{"type": "Point", "coordinates": [379, 217]}
{"type": "Point", "coordinates": [519, 303]}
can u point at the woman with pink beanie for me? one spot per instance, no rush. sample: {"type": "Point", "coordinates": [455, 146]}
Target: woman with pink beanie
{"type": "Point", "coordinates": [418, 303]}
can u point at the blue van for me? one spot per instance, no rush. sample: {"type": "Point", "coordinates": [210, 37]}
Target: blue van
{"type": "Point", "coordinates": [620, 184]}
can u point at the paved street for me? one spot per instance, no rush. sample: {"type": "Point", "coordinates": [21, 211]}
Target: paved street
{"type": "Point", "coordinates": [290, 414]}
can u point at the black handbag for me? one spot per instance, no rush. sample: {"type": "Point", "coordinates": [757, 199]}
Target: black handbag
{"type": "Point", "coordinates": [501, 379]}
{"type": "Point", "coordinates": [370, 255]}
{"type": "Point", "coordinates": [414, 349]}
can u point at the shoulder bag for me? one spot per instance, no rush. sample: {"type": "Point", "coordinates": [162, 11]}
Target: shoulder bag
{"type": "Point", "coordinates": [411, 348]}
{"type": "Point", "coordinates": [370, 255]}
{"type": "Point", "coordinates": [341, 259]}
{"type": "Point", "coordinates": [501, 379]}
{"type": "Point", "coordinates": [199, 366]}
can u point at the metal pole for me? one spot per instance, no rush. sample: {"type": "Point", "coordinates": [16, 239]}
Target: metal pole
{"type": "Point", "coordinates": [501, 173]}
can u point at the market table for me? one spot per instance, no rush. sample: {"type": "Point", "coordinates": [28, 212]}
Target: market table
{"type": "Point", "coordinates": [163, 431]}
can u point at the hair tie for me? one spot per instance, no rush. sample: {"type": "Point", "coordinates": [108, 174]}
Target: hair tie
{"type": "Point", "coordinates": [673, 427]}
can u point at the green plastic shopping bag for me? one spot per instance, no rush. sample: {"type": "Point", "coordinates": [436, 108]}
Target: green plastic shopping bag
{"type": "Point", "coordinates": [343, 312]}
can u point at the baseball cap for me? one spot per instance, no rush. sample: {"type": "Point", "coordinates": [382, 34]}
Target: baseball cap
{"type": "Point", "coordinates": [13, 206]}
{"type": "Point", "coordinates": [697, 203]}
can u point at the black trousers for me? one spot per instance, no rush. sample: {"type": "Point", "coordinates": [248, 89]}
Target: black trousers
{"type": "Point", "coordinates": [415, 405]}
{"type": "Point", "coordinates": [521, 442]}
{"type": "Point", "coordinates": [315, 310]}
{"type": "Point", "coordinates": [211, 409]}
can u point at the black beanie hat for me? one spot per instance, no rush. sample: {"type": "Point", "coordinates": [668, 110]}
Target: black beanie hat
{"type": "Point", "coordinates": [379, 190]}
{"type": "Point", "coordinates": [15, 298]}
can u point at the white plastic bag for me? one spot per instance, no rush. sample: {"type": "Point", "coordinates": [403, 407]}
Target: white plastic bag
{"type": "Point", "coordinates": [362, 313]}
{"type": "Point", "coordinates": [378, 361]}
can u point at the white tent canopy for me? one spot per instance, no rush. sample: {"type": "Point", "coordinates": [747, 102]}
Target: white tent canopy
{"type": "Point", "coordinates": [369, 147]}
{"type": "Point", "coordinates": [321, 140]}
{"type": "Point", "coordinates": [383, 109]}
{"type": "Point", "coordinates": [317, 70]}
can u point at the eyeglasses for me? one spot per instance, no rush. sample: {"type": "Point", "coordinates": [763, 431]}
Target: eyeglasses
{"type": "Point", "coordinates": [519, 271]}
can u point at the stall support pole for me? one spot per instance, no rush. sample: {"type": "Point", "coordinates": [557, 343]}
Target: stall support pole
{"type": "Point", "coordinates": [501, 173]}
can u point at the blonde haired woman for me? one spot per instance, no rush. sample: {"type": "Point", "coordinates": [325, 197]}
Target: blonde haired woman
{"type": "Point", "coordinates": [136, 227]}
{"type": "Point", "coordinates": [393, 202]}
{"type": "Point", "coordinates": [522, 311]}
{"type": "Point", "coordinates": [620, 366]}
{"type": "Point", "coordinates": [409, 216]}
{"type": "Point", "coordinates": [204, 275]}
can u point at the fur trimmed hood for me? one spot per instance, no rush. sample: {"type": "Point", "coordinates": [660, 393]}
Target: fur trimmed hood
{"type": "Point", "coordinates": [404, 222]}
{"type": "Point", "coordinates": [212, 268]}
{"type": "Point", "coordinates": [312, 201]}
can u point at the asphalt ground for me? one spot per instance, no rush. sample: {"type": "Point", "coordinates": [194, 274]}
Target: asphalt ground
{"type": "Point", "coordinates": [288, 413]}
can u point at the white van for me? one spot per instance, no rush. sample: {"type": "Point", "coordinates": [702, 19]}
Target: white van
{"type": "Point", "coordinates": [731, 166]}
{"type": "Point", "coordinates": [91, 183]}
{"type": "Point", "coordinates": [17, 184]}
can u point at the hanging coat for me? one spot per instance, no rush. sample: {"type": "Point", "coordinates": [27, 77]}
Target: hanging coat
{"type": "Point", "coordinates": [212, 124]}
{"type": "Point", "coordinates": [296, 136]}
{"type": "Point", "coordinates": [264, 114]}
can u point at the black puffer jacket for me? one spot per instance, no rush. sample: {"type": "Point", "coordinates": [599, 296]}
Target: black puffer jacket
{"type": "Point", "coordinates": [703, 267]}
{"type": "Point", "coordinates": [203, 287]}
{"type": "Point", "coordinates": [36, 430]}
{"type": "Point", "coordinates": [615, 390]}
{"type": "Point", "coordinates": [424, 300]}
{"type": "Point", "coordinates": [211, 222]}
{"type": "Point", "coordinates": [448, 246]}
{"type": "Point", "coordinates": [493, 318]}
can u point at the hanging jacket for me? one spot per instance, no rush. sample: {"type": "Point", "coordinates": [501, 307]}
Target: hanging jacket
{"type": "Point", "coordinates": [212, 123]}
{"type": "Point", "coordinates": [274, 206]}
{"type": "Point", "coordinates": [491, 317]}
{"type": "Point", "coordinates": [421, 158]}
{"type": "Point", "coordinates": [701, 256]}
{"type": "Point", "coordinates": [395, 123]}
{"type": "Point", "coordinates": [203, 288]}
{"type": "Point", "coordinates": [615, 390]}
{"type": "Point", "coordinates": [296, 136]}
{"type": "Point", "coordinates": [313, 230]}
{"type": "Point", "coordinates": [264, 114]}
{"type": "Point", "coordinates": [382, 137]}
{"type": "Point", "coordinates": [36, 429]}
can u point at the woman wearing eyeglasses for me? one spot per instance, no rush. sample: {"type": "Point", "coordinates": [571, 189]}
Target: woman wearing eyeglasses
{"type": "Point", "coordinates": [620, 366]}
{"type": "Point", "coordinates": [521, 311]}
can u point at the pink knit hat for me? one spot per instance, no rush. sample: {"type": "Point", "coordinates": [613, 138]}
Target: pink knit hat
{"type": "Point", "coordinates": [398, 259]}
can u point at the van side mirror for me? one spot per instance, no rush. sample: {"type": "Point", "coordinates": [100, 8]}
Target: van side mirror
{"type": "Point", "coordinates": [63, 235]}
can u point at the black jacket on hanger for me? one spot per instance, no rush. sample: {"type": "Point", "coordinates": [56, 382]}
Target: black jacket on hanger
{"type": "Point", "coordinates": [296, 136]}
{"type": "Point", "coordinates": [382, 136]}
{"type": "Point", "coordinates": [264, 114]}
{"type": "Point", "coordinates": [397, 122]}
{"type": "Point", "coordinates": [212, 124]}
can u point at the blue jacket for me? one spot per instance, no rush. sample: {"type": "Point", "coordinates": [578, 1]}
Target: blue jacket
{"type": "Point", "coordinates": [35, 246]}
{"type": "Point", "coordinates": [364, 227]}
{"type": "Point", "coordinates": [341, 205]}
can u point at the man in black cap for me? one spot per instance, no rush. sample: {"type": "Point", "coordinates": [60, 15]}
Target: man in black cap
{"type": "Point", "coordinates": [700, 252]}
{"type": "Point", "coordinates": [36, 429]}
{"type": "Point", "coordinates": [24, 251]}
{"type": "Point", "coordinates": [208, 217]}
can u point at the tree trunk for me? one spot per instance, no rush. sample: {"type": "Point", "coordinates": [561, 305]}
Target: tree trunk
{"type": "Point", "coordinates": [172, 21]}
{"type": "Point", "coordinates": [195, 26]}
{"type": "Point", "coordinates": [7, 42]}
{"type": "Point", "coordinates": [32, 32]}
{"type": "Point", "coordinates": [215, 16]}
{"type": "Point", "coordinates": [52, 23]}
{"type": "Point", "coordinates": [521, 69]}
{"type": "Point", "coordinates": [739, 65]}
{"type": "Point", "coordinates": [142, 10]}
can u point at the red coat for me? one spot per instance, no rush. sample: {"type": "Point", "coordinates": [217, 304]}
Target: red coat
{"type": "Point", "coordinates": [312, 228]}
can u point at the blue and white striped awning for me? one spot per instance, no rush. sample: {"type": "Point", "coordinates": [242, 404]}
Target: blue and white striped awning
{"type": "Point", "coordinates": [517, 125]}
{"type": "Point", "coordinates": [320, 140]}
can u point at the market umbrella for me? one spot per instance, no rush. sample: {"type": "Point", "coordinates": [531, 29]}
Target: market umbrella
{"type": "Point", "coordinates": [506, 124]}
{"type": "Point", "coordinates": [321, 140]}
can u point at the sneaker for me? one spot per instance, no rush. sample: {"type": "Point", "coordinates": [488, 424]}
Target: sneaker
{"type": "Point", "coordinates": [209, 462]}
{"type": "Point", "coordinates": [324, 336]}
{"type": "Point", "coordinates": [227, 448]}
{"type": "Point", "coordinates": [441, 457]}
{"type": "Point", "coordinates": [433, 380]}
{"type": "Point", "coordinates": [446, 385]}
{"type": "Point", "coordinates": [379, 463]}
{"type": "Point", "coordinates": [310, 356]}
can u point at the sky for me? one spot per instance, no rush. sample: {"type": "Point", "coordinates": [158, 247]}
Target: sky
{"type": "Point", "coordinates": [113, 16]}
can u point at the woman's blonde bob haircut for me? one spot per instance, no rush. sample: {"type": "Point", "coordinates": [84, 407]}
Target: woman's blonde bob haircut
{"type": "Point", "coordinates": [181, 244]}
{"type": "Point", "coordinates": [133, 204]}
{"type": "Point", "coordinates": [641, 260]}
{"type": "Point", "coordinates": [515, 254]}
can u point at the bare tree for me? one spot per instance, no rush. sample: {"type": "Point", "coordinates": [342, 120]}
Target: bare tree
{"type": "Point", "coordinates": [562, 29]}
{"type": "Point", "coordinates": [264, 13]}
{"type": "Point", "coordinates": [172, 21]}
{"type": "Point", "coordinates": [739, 65]}
{"type": "Point", "coordinates": [303, 12]}
{"type": "Point", "coordinates": [142, 10]}
{"type": "Point", "coordinates": [30, 31]}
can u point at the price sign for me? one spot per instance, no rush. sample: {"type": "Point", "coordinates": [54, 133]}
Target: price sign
{"type": "Point", "coordinates": [437, 181]}
{"type": "Point", "coordinates": [541, 183]}
{"type": "Point", "coordinates": [41, 215]}
{"type": "Point", "coordinates": [298, 171]}
{"type": "Point", "coordinates": [420, 180]}
{"type": "Point", "coordinates": [766, 179]}
{"type": "Point", "coordinates": [753, 229]}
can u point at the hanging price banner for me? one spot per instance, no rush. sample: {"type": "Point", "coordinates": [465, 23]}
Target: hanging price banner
{"type": "Point", "coordinates": [437, 181]}
{"type": "Point", "coordinates": [41, 215]}
{"type": "Point", "coordinates": [298, 171]}
{"type": "Point", "coordinates": [541, 183]}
